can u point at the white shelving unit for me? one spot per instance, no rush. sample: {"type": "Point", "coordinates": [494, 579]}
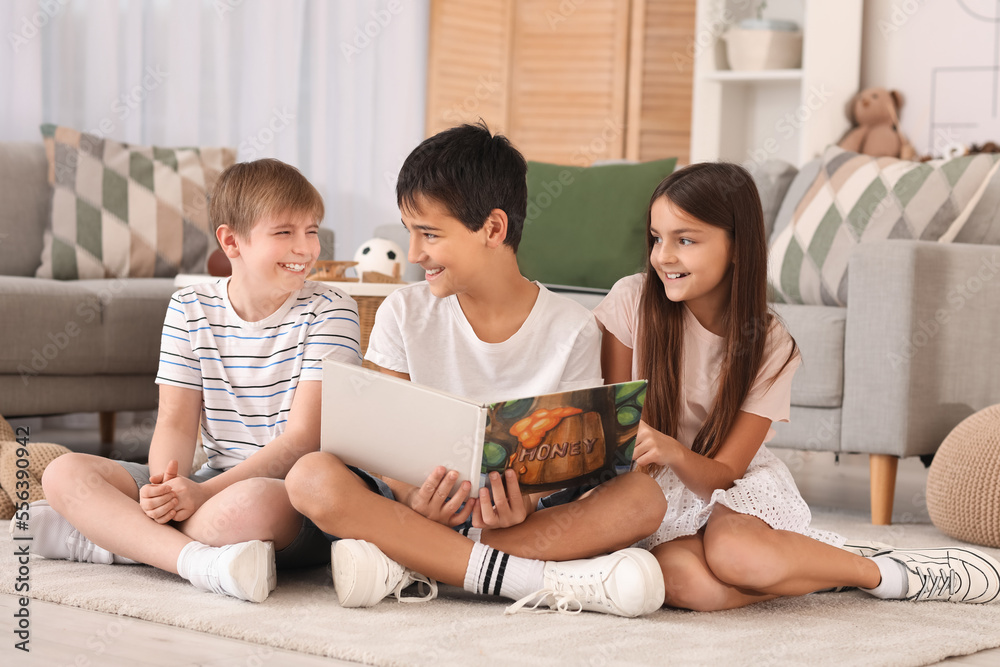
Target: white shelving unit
{"type": "Point", "coordinates": [790, 114]}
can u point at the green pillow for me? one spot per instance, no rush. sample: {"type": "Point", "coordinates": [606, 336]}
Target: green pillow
{"type": "Point", "coordinates": [586, 226]}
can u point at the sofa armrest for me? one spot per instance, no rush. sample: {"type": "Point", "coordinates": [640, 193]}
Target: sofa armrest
{"type": "Point", "coordinates": [921, 352]}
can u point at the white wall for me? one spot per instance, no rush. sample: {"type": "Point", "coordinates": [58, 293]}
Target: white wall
{"type": "Point", "coordinates": [943, 56]}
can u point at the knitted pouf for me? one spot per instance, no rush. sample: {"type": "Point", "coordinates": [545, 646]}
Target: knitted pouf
{"type": "Point", "coordinates": [963, 483]}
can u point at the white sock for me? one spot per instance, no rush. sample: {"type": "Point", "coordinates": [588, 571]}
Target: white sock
{"type": "Point", "coordinates": [244, 570]}
{"type": "Point", "coordinates": [191, 565]}
{"type": "Point", "coordinates": [474, 534]}
{"type": "Point", "coordinates": [493, 572]}
{"type": "Point", "coordinates": [55, 537]}
{"type": "Point", "coordinates": [894, 583]}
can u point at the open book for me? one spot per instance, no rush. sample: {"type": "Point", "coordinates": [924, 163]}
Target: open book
{"type": "Point", "coordinates": [404, 430]}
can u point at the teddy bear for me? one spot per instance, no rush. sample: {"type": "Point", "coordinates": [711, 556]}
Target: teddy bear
{"type": "Point", "coordinates": [39, 455]}
{"type": "Point", "coordinates": [874, 115]}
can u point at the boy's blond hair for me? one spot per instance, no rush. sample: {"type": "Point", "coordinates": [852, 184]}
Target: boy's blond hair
{"type": "Point", "coordinates": [247, 192]}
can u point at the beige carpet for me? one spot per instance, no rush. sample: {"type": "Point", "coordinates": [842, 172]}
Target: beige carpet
{"type": "Point", "coordinates": [303, 615]}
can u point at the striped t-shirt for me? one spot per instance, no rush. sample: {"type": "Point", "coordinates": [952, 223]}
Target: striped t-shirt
{"type": "Point", "coordinates": [248, 371]}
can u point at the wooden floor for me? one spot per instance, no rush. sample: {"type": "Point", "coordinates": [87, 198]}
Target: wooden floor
{"type": "Point", "coordinates": [71, 636]}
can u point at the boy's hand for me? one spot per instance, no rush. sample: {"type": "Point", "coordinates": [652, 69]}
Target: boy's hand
{"type": "Point", "coordinates": [431, 498]}
{"type": "Point", "coordinates": [157, 499]}
{"type": "Point", "coordinates": [509, 506]}
{"type": "Point", "coordinates": [168, 497]}
{"type": "Point", "coordinates": [653, 447]}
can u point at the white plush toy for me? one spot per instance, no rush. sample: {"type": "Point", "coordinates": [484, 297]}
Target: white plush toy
{"type": "Point", "coordinates": [380, 255]}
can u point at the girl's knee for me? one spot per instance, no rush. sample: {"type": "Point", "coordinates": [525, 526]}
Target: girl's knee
{"type": "Point", "coordinates": [738, 553]}
{"type": "Point", "coordinates": [689, 585]}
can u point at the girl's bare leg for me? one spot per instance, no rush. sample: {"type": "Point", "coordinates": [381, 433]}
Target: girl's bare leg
{"type": "Point", "coordinates": [690, 582]}
{"type": "Point", "coordinates": [744, 551]}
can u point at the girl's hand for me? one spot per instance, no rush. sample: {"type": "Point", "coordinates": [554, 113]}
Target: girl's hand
{"type": "Point", "coordinates": [653, 447]}
{"type": "Point", "coordinates": [431, 499]}
{"type": "Point", "coordinates": [509, 507]}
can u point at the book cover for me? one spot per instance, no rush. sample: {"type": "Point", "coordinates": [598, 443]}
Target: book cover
{"type": "Point", "coordinates": [564, 439]}
{"type": "Point", "coordinates": [404, 430]}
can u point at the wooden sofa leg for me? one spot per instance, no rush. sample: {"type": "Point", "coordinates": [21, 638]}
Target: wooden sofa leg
{"type": "Point", "coordinates": [882, 469]}
{"type": "Point", "coordinates": [107, 431]}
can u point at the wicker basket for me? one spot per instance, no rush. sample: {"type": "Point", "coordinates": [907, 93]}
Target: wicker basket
{"type": "Point", "coordinates": [367, 305]}
{"type": "Point", "coordinates": [963, 483]}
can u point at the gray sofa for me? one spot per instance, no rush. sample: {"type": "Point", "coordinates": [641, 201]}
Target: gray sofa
{"type": "Point", "coordinates": [914, 352]}
{"type": "Point", "coordinates": [70, 346]}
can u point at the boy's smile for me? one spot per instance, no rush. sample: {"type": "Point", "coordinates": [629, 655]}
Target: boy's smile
{"type": "Point", "coordinates": [272, 263]}
{"type": "Point", "coordinates": [445, 249]}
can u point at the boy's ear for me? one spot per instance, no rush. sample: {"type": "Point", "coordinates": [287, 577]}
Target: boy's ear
{"type": "Point", "coordinates": [496, 228]}
{"type": "Point", "coordinates": [228, 241]}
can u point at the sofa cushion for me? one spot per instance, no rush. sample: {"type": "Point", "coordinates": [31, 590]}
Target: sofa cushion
{"type": "Point", "coordinates": [120, 210]}
{"type": "Point", "coordinates": [586, 226]}
{"type": "Point", "coordinates": [773, 179]}
{"type": "Point", "coordinates": [82, 327]}
{"type": "Point", "coordinates": [819, 333]}
{"type": "Point", "coordinates": [25, 198]}
{"type": "Point", "coordinates": [857, 198]}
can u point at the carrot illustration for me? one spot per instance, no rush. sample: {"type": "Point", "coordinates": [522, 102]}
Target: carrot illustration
{"type": "Point", "coordinates": [530, 430]}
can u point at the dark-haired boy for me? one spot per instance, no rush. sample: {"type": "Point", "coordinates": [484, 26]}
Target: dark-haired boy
{"type": "Point", "coordinates": [240, 358]}
{"type": "Point", "coordinates": [478, 328]}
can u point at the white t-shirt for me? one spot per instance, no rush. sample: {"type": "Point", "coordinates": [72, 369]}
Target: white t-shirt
{"type": "Point", "coordinates": [248, 371]}
{"type": "Point", "coordinates": [558, 348]}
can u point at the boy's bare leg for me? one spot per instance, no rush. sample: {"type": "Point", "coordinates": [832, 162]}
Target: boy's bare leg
{"type": "Point", "coordinates": [252, 509]}
{"type": "Point", "coordinates": [100, 499]}
{"type": "Point", "coordinates": [613, 516]}
{"type": "Point", "coordinates": [339, 503]}
{"type": "Point", "coordinates": [322, 488]}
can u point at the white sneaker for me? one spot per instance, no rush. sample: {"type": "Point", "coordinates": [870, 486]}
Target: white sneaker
{"type": "Point", "coordinates": [364, 576]}
{"type": "Point", "coordinates": [245, 570]}
{"type": "Point", "coordinates": [866, 548]}
{"type": "Point", "coordinates": [625, 583]}
{"type": "Point", "coordinates": [955, 574]}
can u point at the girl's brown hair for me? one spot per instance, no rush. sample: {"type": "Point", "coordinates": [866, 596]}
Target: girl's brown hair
{"type": "Point", "coordinates": [723, 195]}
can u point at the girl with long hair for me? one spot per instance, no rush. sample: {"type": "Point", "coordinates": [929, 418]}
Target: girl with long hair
{"type": "Point", "coordinates": [697, 325]}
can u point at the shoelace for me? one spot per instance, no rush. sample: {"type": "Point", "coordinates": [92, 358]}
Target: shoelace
{"type": "Point", "coordinates": [554, 601]}
{"type": "Point", "coordinates": [561, 601]}
{"type": "Point", "coordinates": [411, 577]}
{"type": "Point", "coordinates": [935, 582]}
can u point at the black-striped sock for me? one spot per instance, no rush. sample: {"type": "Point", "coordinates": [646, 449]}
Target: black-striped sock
{"type": "Point", "coordinates": [474, 534]}
{"type": "Point", "coordinates": [493, 572]}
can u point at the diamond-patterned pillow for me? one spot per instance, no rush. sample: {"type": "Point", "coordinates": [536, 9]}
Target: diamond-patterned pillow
{"type": "Point", "coordinates": [120, 210]}
{"type": "Point", "coordinates": [858, 198]}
